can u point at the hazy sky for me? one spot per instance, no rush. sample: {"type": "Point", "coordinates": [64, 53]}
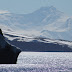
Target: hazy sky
{"type": "Point", "coordinates": [28, 6]}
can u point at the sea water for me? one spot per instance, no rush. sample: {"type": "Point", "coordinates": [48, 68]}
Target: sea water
{"type": "Point", "coordinates": [40, 62]}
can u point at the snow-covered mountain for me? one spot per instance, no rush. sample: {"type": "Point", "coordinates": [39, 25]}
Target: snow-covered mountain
{"type": "Point", "coordinates": [45, 22]}
{"type": "Point", "coordinates": [39, 44]}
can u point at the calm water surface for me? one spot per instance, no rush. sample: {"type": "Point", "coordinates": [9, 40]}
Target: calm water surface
{"type": "Point", "coordinates": [41, 62]}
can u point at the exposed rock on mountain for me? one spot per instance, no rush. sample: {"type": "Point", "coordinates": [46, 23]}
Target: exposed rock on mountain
{"type": "Point", "coordinates": [39, 44]}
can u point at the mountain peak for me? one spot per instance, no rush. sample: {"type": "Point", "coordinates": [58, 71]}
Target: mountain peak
{"type": "Point", "coordinates": [48, 8]}
{"type": "Point", "coordinates": [52, 7]}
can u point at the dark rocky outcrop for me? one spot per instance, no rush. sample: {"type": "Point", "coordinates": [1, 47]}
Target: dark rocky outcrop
{"type": "Point", "coordinates": [41, 47]}
{"type": "Point", "coordinates": [8, 53]}
{"type": "Point", "coordinates": [40, 44]}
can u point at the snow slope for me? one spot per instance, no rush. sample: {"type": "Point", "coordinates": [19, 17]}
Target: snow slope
{"type": "Point", "coordinates": [45, 22]}
{"type": "Point", "coordinates": [38, 44]}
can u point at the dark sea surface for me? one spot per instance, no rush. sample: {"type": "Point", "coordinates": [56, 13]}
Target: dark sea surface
{"type": "Point", "coordinates": [40, 62]}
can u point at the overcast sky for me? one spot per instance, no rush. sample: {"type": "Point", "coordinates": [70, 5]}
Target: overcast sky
{"type": "Point", "coordinates": [28, 6]}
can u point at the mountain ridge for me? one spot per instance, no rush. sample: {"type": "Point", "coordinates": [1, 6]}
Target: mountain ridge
{"type": "Point", "coordinates": [39, 44]}
{"type": "Point", "coordinates": [47, 19]}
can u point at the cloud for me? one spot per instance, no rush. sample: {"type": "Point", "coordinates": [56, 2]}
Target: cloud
{"type": "Point", "coordinates": [4, 11]}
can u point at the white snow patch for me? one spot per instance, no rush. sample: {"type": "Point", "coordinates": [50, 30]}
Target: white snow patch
{"type": "Point", "coordinates": [4, 11]}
